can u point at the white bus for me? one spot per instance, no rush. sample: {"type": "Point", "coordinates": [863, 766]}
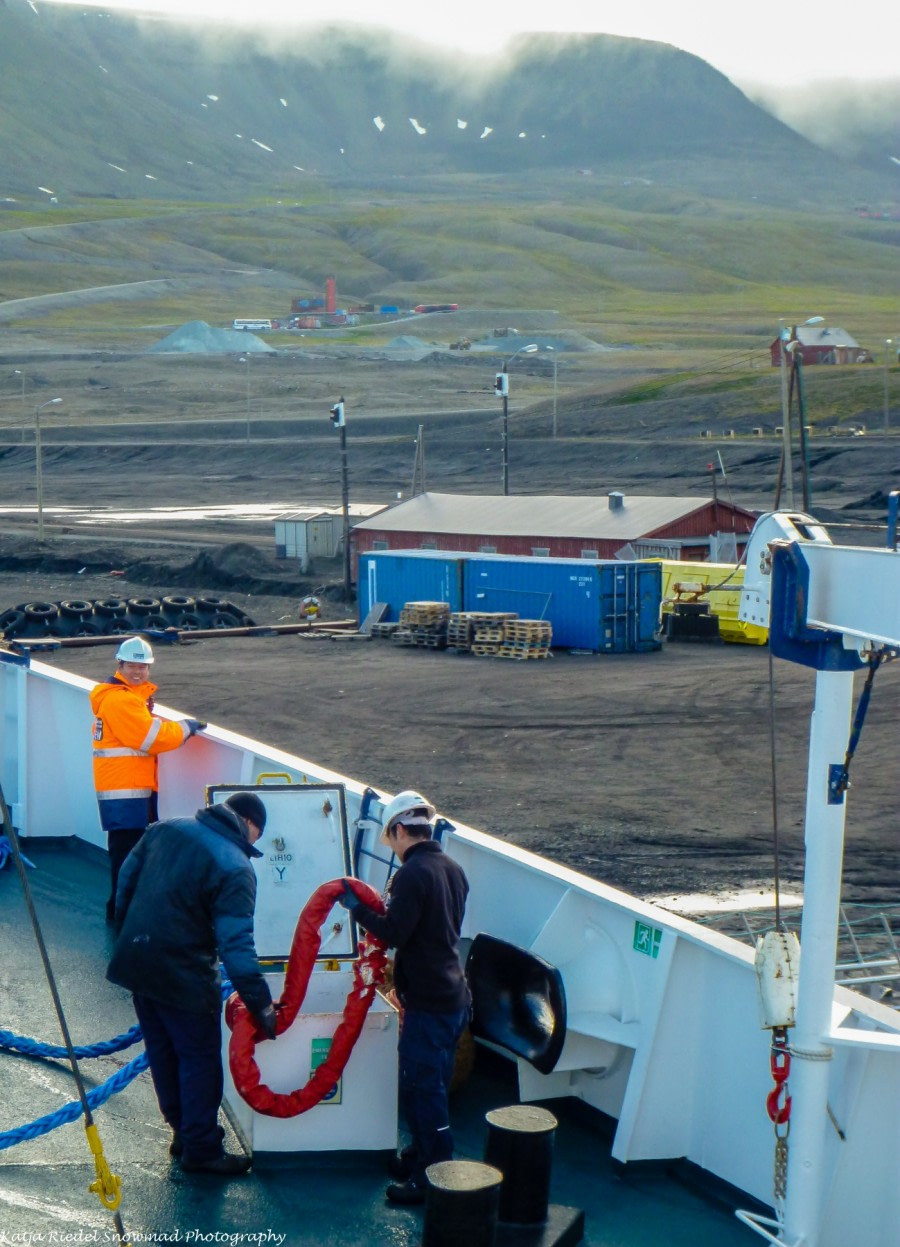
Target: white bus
{"type": "Point", "coordinates": [256, 326]}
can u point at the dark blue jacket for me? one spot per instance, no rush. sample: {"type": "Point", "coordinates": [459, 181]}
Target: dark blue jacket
{"type": "Point", "coordinates": [185, 899]}
{"type": "Point", "coordinates": [423, 921]}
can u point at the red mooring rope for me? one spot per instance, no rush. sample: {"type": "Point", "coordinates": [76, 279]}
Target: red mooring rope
{"type": "Point", "coordinates": [368, 974]}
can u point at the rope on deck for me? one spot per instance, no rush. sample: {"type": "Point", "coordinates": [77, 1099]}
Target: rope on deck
{"type": "Point", "coordinates": [99, 1095]}
{"type": "Point", "coordinates": [73, 1110]}
{"type": "Point", "coordinates": [33, 1047]}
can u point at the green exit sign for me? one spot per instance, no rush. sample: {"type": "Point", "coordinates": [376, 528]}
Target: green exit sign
{"type": "Point", "coordinates": [647, 939]}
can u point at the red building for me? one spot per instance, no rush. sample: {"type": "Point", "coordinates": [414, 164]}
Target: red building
{"type": "Point", "coordinates": [820, 345]}
{"type": "Point", "coordinates": [561, 526]}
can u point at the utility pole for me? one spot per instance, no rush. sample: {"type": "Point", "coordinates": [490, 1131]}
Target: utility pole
{"type": "Point", "coordinates": [337, 419]}
{"type": "Point", "coordinates": [888, 343]}
{"type": "Point", "coordinates": [501, 389]}
{"type": "Point", "coordinates": [784, 337]}
{"type": "Point", "coordinates": [419, 462]}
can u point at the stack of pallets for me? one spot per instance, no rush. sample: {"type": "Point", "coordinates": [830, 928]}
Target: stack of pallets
{"type": "Point", "coordinates": [463, 628]}
{"type": "Point", "coordinates": [423, 623]}
{"type": "Point", "coordinates": [384, 631]}
{"type": "Point", "coordinates": [487, 630]}
{"type": "Point", "coordinates": [526, 638]}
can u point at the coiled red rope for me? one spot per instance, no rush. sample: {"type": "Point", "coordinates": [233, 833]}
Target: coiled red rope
{"type": "Point", "coordinates": [368, 974]}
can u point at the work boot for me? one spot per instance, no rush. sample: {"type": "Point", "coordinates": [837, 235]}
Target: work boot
{"type": "Point", "coordinates": [228, 1165]}
{"type": "Point", "coordinates": [401, 1166]}
{"type": "Point", "coordinates": [176, 1147]}
{"type": "Point", "coordinates": [408, 1192]}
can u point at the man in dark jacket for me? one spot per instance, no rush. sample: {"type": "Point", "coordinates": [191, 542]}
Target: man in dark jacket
{"type": "Point", "coordinates": [426, 903]}
{"type": "Point", "coordinates": [186, 897]}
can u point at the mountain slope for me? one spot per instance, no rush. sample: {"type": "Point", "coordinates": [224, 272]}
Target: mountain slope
{"type": "Point", "coordinates": [115, 106]}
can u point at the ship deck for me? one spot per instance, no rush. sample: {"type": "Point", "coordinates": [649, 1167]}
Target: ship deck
{"type": "Point", "coordinates": [327, 1199]}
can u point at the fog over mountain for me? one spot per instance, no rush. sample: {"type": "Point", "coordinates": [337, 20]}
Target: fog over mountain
{"type": "Point", "coordinates": [115, 106]}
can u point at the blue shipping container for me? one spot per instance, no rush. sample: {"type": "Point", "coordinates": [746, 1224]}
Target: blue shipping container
{"type": "Point", "coordinates": [605, 606]}
{"type": "Point", "coordinates": [396, 577]}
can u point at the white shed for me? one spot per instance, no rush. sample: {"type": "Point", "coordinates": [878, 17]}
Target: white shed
{"type": "Point", "coordinates": [316, 532]}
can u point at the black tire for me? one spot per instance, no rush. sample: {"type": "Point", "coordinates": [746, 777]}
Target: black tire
{"type": "Point", "coordinates": [115, 625]}
{"type": "Point", "coordinates": [213, 604]}
{"type": "Point", "coordinates": [111, 606]}
{"type": "Point", "coordinates": [156, 622]}
{"type": "Point", "coordinates": [76, 609]}
{"type": "Point", "coordinates": [11, 621]}
{"type": "Point", "coordinates": [41, 612]}
{"type": "Point", "coordinates": [86, 627]}
{"type": "Point", "coordinates": [224, 620]}
{"type": "Point", "coordinates": [188, 622]}
{"type": "Point", "coordinates": [143, 606]}
{"type": "Point", "coordinates": [177, 605]}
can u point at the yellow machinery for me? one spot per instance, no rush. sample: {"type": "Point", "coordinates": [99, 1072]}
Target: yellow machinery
{"type": "Point", "coordinates": [716, 585]}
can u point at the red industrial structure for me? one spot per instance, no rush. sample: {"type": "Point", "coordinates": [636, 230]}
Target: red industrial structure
{"type": "Point", "coordinates": [561, 526]}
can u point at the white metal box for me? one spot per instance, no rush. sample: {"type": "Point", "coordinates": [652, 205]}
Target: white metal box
{"type": "Point", "coordinates": [361, 1115]}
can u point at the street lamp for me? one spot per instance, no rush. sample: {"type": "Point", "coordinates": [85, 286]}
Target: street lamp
{"type": "Point", "coordinates": [888, 343]}
{"type": "Point", "coordinates": [336, 414]}
{"type": "Point", "coordinates": [39, 480]}
{"type": "Point", "coordinates": [555, 362]}
{"type": "Point", "coordinates": [785, 340]}
{"type": "Point", "coordinates": [245, 359]}
{"type": "Point", "coordinates": [501, 389]}
{"type": "Point", "coordinates": [17, 372]}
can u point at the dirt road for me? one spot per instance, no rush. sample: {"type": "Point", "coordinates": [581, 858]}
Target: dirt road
{"type": "Point", "coordinates": [649, 771]}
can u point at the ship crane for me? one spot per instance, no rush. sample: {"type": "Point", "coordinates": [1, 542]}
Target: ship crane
{"type": "Point", "coordinates": [832, 608]}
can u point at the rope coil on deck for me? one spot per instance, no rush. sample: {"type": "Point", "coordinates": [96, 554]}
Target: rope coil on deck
{"type": "Point", "coordinates": [368, 973]}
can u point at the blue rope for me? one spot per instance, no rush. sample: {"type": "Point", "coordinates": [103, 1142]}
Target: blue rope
{"type": "Point", "coordinates": [99, 1095]}
{"type": "Point", "coordinates": [33, 1047]}
{"type": "Point", "coordinates": [6, 853]}
{"type": "Point", "coordinates": [74, 1109]}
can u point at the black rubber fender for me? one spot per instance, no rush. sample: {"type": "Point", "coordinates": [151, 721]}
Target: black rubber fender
{"type": "Point", "coordinates": [188, 622]}
{"type": "Point", "coordinates": [111, 606]}
{"type": "Point", "coordinates": [178, 605]}
{"type": "Point", "coordinates": [11, 621]}
{"type": "Point", "coordinates": [224, 619]}
{"type": "Point", "coordinates": [143, 606]}
{"type": "Point", "coordinates": [41, 612]}
{"type": "Point", "coordinates": [74, 608]}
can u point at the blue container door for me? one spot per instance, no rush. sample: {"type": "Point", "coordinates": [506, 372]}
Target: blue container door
{"type": "Point", "coordinates": [616, 606]}
{"type": "Point", "coordinates": [648, 593]}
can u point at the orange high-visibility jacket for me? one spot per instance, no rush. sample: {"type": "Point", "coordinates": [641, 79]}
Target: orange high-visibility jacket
{"type": "Point", "coordinates": [127, 739]}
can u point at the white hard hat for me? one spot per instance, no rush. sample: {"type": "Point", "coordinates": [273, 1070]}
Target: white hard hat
{"type": "Point", "coordinates": [134, 649]}
{"type": "Point", "coordinates": [407, 807]}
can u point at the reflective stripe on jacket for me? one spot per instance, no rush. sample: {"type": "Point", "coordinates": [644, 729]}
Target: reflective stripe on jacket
{"type": "Point", "coordinates": [127, 739]}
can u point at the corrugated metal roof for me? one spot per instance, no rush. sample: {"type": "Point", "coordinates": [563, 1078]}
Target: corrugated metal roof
{"type": "Point", "coordinates": [813, 335]}
{"type": "Point", "coordinates": [365, 509]}
{"type": "Point", "coordinates": [534, 515]}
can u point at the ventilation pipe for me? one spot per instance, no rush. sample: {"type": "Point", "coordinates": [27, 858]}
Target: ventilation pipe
{"type": "Point", "coordinates": [616, 500]}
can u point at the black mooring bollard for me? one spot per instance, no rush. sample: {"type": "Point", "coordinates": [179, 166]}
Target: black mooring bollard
{"type": "Point", "coordinates": [461, 1204]}
{"type": "Point", "coordinates": [520, 1144]}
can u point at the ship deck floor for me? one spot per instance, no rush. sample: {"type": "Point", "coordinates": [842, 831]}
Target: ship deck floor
{"type": "Point", "coordinates": [327, 1199]}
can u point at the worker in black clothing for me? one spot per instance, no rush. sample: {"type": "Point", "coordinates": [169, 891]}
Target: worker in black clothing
{"type": "Point", "coordinates": [426, 903]}
{"type": "Point", "coordinates": [186, 897]}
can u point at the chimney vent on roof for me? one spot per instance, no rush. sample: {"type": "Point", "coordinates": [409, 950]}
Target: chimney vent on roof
{"type": "Point", "coordinates": [616, 501]}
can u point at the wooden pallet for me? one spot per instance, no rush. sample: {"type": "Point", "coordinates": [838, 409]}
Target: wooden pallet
{"type": "Point", "coordinates": [424, 614]}
{"type": "Point", "coordinates": [484, 650]}
{"type": "Point", "coordinates": [384, 631]}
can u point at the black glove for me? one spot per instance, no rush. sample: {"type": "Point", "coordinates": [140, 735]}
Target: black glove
{"type": "Point", "coordinates": [268, 1021]}
{"type": "Point", "coordinates": [194, 726]}
{"type": "Point", "coordinates": [348, 897]}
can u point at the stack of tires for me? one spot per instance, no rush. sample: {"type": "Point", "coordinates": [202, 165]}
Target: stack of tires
{"type": "Point", "coordinates": [119, 617]}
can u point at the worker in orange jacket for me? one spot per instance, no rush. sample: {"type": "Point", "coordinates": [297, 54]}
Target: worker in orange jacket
{"type": "Point", "coordinates": [128, 737]}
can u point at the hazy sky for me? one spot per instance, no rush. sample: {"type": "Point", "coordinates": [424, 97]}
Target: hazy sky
{"type": "Point", "coordinates": [777, 44]}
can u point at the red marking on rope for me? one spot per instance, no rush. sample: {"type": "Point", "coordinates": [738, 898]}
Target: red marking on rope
{"type": "Point", "coordinates": [368, 973]}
